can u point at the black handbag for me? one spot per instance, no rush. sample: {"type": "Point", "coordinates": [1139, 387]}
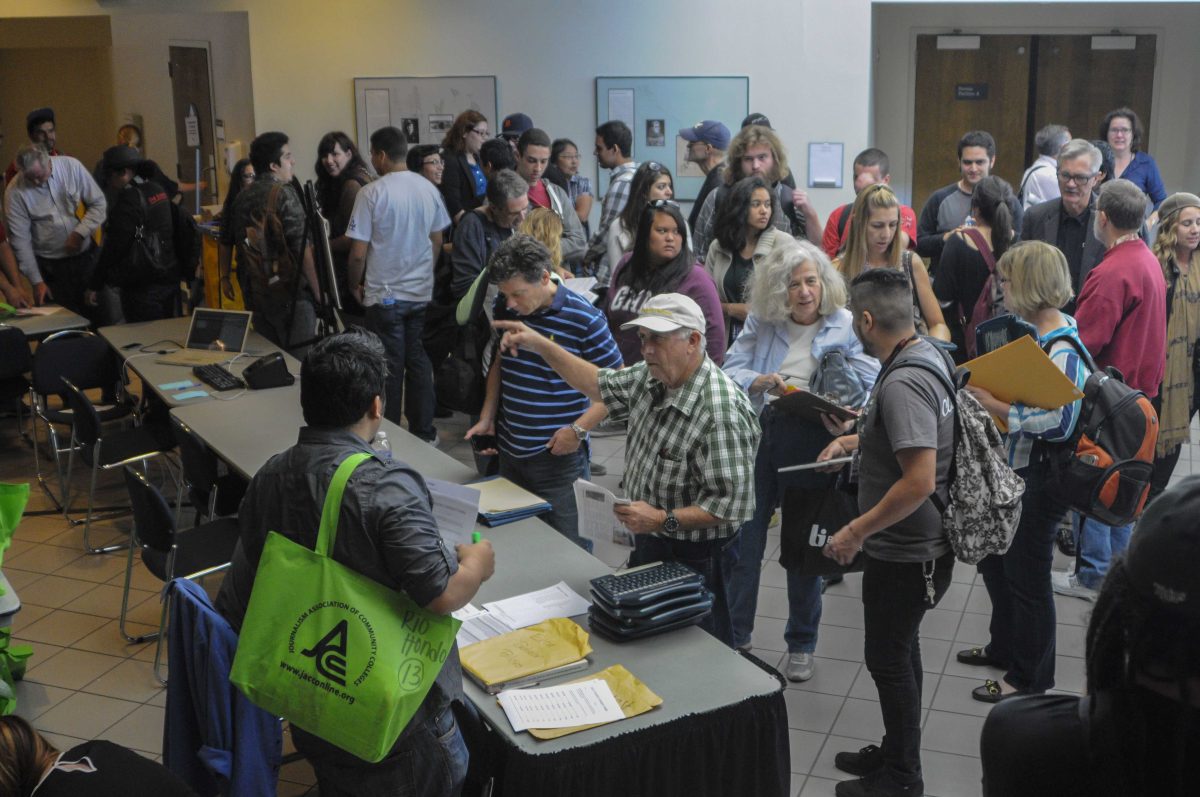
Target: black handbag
{"type": "Point", "coordinates": [459, 381]}
{"type": "Point", "coordinates": [810, 517]}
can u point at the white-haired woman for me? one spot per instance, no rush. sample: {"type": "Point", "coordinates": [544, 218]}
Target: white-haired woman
{"type": "Point", "coordinates": [797, 313]}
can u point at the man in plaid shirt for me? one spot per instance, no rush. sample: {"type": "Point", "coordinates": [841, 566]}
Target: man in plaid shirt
{"type": "Point", "coordinates": [614, 145]}
{"type": "Point", "coordinates": [691, 444]}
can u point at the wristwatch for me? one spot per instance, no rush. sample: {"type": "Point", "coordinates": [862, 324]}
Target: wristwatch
{"type": "Point", "coordinates": [671, 524]}
{"type": "Point", "coordinates": [581, 434]}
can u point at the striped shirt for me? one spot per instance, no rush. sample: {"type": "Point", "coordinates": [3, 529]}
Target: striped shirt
{"type": "Point", "coordinates": [535, 402]}
{"type": "Point", "coordinates": [1028, 425]}
{"type": "Point", "coordinates": [691, 447]}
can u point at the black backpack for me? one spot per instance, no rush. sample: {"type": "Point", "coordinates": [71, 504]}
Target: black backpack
{"type": "Point", "coordinates": [1104, 470]}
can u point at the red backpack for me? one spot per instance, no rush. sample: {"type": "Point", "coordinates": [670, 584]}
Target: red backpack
{"type": "Point", "coordinates": [988, 304]}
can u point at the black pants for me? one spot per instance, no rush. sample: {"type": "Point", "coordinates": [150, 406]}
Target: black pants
{"type": "Point", "coordinates": [894, 603]}
{"type": "Point", "coordinates": [150, 302]}
{"type": "Point", "coordinates": [68, 278]}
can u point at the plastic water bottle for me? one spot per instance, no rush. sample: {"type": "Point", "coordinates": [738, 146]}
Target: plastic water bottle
{"type": "Point", "coordinates": [382, 446]}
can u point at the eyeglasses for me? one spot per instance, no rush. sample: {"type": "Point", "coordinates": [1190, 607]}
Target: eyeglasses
{"type": "Point", "coordinates": [1078, 179]}
{"type": "Point", "coordinates": [433, 162]}
{"type": "Point", "coordinates": [1121, 131]}
{"type": "Point", "coordinates": [482, 132]}
{"type": "Point", "coordinates": [656, 204]}
{"type": "Point", "coordinates": [248, 177]}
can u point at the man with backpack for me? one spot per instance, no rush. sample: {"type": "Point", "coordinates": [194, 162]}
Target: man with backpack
{"type": "Point", "coordinates": [269, 227]}
{"type": "Point", "coordinates": [138, 255]}
{"type": "Point", "coordinates": [906, 445]}
{"type": "Point", "coordinates": [1122, 317]}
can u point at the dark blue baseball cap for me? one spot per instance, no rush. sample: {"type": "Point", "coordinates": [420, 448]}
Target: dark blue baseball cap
{"type": "Point", "coordinates": [514, 125]}
{"type": "Point", "coordinates": [715, 134]}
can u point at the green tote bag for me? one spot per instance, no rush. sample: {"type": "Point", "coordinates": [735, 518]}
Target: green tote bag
{"type": "Point", "coordinates": [332, 651]}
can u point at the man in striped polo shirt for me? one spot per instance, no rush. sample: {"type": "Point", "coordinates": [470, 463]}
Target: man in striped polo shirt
{"type": "Point", "coordinates": [541, 422]}
{"type": "Point", "coordinates": [692, 437]}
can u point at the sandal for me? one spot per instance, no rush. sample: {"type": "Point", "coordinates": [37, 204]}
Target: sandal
{"type": "Point", "coordinates": [991, 692]}
{"type": "Point", "coordinates": [978, 657]}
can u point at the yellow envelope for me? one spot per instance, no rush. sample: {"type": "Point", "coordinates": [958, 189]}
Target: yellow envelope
{"type": "Point", "coordinates": [632, 695]}
{"type": "Point", "coordinates": [501, 495]}
{"type": "Point", "coordinates": [1021, 371]}
{"type": "Point", "coordinates": [549, 644]}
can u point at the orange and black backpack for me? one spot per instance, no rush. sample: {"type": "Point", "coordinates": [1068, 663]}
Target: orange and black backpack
{"type": "Point", "coordinates": [1103, 471]}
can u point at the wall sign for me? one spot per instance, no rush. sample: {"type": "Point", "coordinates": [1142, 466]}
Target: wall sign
{"type": "Point", "coordinates": [971, 91]}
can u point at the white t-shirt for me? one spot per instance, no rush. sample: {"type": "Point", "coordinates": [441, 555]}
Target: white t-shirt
{"type": "Point", "coordinates": [396, 214]}
{"type": "Point", "coordinates": [798, 365]}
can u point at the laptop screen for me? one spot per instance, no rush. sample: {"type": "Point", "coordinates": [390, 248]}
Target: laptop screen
{"type": "Point", "coordinates": [218, 330]}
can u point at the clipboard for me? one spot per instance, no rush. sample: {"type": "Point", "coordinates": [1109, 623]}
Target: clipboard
{"type": "Point", "coordinates": [811, 407]}
{"type": "Point", "coordinates": [1021, 371]}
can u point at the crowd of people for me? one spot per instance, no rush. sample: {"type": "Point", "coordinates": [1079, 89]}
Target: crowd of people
{"type": "Point", "coordinates": [700, 324]}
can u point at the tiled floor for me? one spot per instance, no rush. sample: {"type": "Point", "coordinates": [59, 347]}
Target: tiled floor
{"type": "Point", "coordinates": [84, 682]}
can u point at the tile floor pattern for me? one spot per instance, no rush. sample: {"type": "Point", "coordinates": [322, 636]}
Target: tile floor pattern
{"type": "Point", "coordinates": [85, 682]}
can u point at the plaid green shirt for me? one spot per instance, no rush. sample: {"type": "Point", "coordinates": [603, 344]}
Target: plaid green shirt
{"type": "Point", "coordinates": [693, 448]}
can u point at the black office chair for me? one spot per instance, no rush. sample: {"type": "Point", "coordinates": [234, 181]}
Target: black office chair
{"type": "Point", "coordinates": [101, 451]}
{"type": "Point", "coordinates": [88, 362]}
{"type": "Point", "coordinates": [210, 492]}
{"type": "Point", "coordinates": [14, 365]}
{"type": "Point", "coordinates": [169, 552]}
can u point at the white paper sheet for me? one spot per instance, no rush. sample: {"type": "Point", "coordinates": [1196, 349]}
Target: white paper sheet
{"type": "Point", "coordinates": [583, 286]}
{"type": "Point", "coordinates": [455, 507]}
{"type": "Point", "coordinates": [478, 625]}
{"type": "Point", "coordinates": [379, 108]}
{"type": "Point", "coordinates": [611, 541]}
{"type": "Point", "coordinates": [620, 106]}
{"type": "Point", "coordinates": [534, 607]}
{"type": "Point", "coordinates": [825, 164]}
{"type": "Point", "coordinates": [26, 312]}
{"type": "Point", "coordinates": [565, 706]}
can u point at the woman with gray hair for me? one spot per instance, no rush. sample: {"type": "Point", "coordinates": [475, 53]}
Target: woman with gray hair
{"type": "Point", "coordinates": [797, 303]}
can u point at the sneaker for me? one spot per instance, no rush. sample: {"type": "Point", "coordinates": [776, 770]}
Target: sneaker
{"type": "Point", "coordinates": [1068, 584]}
{"type": "Point", "coordinates": [598, 470]}
{"type": "Point", "coordinates": [800, 666]}
{"type": "Point", "coordinates": [878, 784]}
{"type": "Point", "coordinates": [609, 428]}
{"type": "Point", "coordinates": [867, 760]}
{"type": "Point", "coordinates": [436, 442]}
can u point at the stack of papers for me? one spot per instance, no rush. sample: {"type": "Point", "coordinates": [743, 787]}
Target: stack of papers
{"type": "Point", "coordinates": [525, 656]}
{"type": "Point", "coordinates": [521, 611]}
{"type": "Point", "coordinates": [589, 702]}
{"type": "Point", "coordinates": [501, 501]}
{"type": "Point", "coordinates": [612, 543]}
{"type": "Point", "coordinates": [454, 509]}
{"type": "Point", "coordinates": [478, 625]}
{"type": "Point", "coordinates": [633, 696]}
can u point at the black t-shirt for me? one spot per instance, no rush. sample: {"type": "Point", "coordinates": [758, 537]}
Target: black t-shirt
{"type": "Point", "coordinates": [1043, 746]}
{"type": "Point", "coordinates": [736, 278]}
{"type": "Point", "coordinates": [711, 181]}
{"type": "Point", "coordinates": [110, 771]}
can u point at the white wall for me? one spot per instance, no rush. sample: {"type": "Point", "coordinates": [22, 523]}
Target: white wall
{"type": "Point", "coordinates": [141, 50]}
{"type": "Point", "coordinates": [1176, 115]}
{"type": "Point", "coordinates": [808, 60]}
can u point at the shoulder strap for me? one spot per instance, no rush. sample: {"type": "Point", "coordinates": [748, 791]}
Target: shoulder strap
{"type": "Point", "coordinates": [273, 197]}
{"type": "Point", "coordinates": [1084, 354]}
{"type": "Point", "coordinates": [843, 220]}
{"type": "Point", "coordinates": [948, 383]}
{"type": "Point", "coordinates": [982, 244]}
{"type": "Point", "coordinates": [1029, 174]}
{"type": "Point", "coordinates": [327, 532]}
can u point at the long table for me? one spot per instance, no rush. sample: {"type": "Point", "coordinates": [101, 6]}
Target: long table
{"type": "Point", "coordinates": [722, 727]}
{"type": "Point", "coordinates": [141, 345]}
{"type": "Point", "coordinates": [37, 327]}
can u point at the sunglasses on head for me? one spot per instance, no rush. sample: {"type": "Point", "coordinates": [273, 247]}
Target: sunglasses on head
{"type": "Point", "coordinates": [655, 166]}
{"type": "Point", "coordinates": [662, 203]}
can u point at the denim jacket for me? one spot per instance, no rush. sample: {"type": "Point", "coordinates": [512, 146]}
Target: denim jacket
{"type": "Point", "coordinates": [762, 346]}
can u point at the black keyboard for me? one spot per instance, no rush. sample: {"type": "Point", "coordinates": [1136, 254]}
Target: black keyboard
{"type": "Point", "coordinates": [647, 584]}
{"type": "Point", "coordinates": [217, 377]}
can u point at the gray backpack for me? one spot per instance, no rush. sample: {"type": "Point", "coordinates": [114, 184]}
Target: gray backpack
{"type": "Point", "coordinates": [984, 509]}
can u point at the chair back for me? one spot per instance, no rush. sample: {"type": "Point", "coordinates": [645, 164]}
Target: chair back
{"type": "Point", "coordinates": [199, 462]}
{"type": "Point", "coordinates": [86, 420]}
{"type": "Point", "coordinates": [153, 521]}
{"type": "Point", "coordinates": [80, 356]}
{"type": "Point", "coordinates": [14, 352]}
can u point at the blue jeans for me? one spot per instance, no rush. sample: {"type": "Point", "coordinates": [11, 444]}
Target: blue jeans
{"type": "Point", "coordinates": [1098, 544]}
{"type": "Point", "coordinates": [713, 559]}
{"type": "Point", "coordinates": [410, 375]}
{"type": "Point", "coordinates": [785, 441]}
{"type": "Point", "coordinates": [894, 603]}
{"type": "Point", "coordinates": [553, 478]}
{"type": "Point", "coordinates": [1018, 582]}
{"type": "Point", "coordinates": [431, 763]}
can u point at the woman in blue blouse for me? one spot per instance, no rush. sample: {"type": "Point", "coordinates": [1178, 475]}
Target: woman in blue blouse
{"type": "Point", "coordinates": [798, 312]}
{"type": "Point", "coordinates": [1036, 283]}
{"type": "Point", "coordinates": [1122, 129]}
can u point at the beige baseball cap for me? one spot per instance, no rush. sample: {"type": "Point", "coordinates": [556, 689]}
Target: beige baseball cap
{"type": "Point", "coordinates": [668, 312]}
